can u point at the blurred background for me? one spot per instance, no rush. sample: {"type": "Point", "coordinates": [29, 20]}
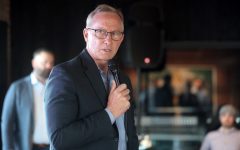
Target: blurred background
{"type": "Point", "coordinates": [183, 58]}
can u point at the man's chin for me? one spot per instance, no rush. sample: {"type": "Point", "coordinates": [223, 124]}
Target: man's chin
{"type": "Point", "coordinates": [45, 75]}
{"type": "Point", "coordinates": [228, 126]}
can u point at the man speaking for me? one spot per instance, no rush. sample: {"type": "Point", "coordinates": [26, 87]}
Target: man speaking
{"type": "Point", "coordinates": [85, 108]}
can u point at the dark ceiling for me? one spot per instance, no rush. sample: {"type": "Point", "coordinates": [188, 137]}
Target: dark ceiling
{"type": "Point", "coordinates": [58, 25]}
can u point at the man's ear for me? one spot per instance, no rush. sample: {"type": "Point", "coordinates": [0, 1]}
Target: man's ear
{"type": "Point", "coordinates": [85, 34]}
{"type": "Point", "coordinates": [33, 63]}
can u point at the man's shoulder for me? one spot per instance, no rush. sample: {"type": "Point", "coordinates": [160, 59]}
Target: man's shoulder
{"type": "Point", "coordinates": [19, 84]}
{"type": "Point", "coordinates": [237, 132]}
{"type": "Point", "coordinates": [213, 134]}
{"type": "Point", "coordinates": [71, 64]}
{"type": "Point", "coordinates": [217, 133]}
{"type": "Point", "coordinates": [22, 81]}
{"type": "Point", "coordinates": [73, 61]}
{"type": "Point", "coordinates": [68, 69]}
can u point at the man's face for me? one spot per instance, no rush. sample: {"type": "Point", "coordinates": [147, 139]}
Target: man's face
{"type": "Point", "coordinates": [43, 64]}
{"type": "Point", "coordinates": [227, 120]}
{"type": "Point", "coordinates": [103, 50]}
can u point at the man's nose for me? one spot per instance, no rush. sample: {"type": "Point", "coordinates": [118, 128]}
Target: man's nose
{"type": "Point", "coordinates": [49, 65]}
{"type": "Point", "coordinates": [108, 38]}
{"type": "Point", "coordinates": [109, 35]}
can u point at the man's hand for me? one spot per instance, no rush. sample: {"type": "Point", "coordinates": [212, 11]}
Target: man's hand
{"type": "Point", "coordinates": [118, 99]}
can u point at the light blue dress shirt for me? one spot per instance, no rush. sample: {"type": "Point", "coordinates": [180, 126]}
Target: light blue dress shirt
{"type": "Point", "coordinates": [107, 80]}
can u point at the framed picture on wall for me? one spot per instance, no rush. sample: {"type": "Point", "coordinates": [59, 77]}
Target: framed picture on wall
{"type": "Point", "coordinates": [180, 89]}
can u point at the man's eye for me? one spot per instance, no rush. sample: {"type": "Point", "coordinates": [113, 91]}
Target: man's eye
{"type": "Point", "coordinates": [101, 31]}
{"type": "Point", "coordinates": [116, 33]}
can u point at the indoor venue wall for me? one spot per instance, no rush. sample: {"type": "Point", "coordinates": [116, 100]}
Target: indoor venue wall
{"type": "Point", "coordinates": [4, 49]}
{"type": "Point", "coordinates": [58, 25]}
{"type": "Point", "coordinates": [226, 63]}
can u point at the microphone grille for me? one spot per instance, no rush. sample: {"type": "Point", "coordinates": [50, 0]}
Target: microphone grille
{"type": "Point", "coordinates": [112, 65]}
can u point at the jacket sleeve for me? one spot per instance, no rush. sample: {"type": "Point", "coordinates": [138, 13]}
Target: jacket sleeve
{"type": "Point", "coordinates": [65, 129]}
{"type": "Point", "coordinates": [133, 143]}
{"type": "Point", "coordinates": [8, 119]}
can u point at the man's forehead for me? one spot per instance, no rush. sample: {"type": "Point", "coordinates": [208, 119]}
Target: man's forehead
{"type": "Point", "coordinates": [110, 19]}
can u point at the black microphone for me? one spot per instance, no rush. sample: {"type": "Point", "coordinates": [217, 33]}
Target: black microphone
{"type": "Point", "coordinates": [113, 67]}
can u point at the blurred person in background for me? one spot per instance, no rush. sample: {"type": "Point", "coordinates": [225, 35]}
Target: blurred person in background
{"type": "Point", "coordinates": [23, 116]}
{"type": "Point", "coordinates": [187, 98]}
{"type": "Point", "coordinates": [163, 93]}
{"type": "Point", "coordinates": [227, 136]}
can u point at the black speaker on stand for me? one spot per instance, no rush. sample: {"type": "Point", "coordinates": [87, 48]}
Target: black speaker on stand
{"type": "Point", "coordinates": [144, 37]}
{"type": "Point", "coordinates": [143, 46]}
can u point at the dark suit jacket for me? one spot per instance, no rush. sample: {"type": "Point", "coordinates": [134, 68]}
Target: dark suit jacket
{"type": "Point", "coordinates": [17, 116]}
{"type": "Point", "coordinates": [75, 100]}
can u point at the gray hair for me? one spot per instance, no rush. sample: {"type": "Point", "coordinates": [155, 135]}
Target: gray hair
{"type": "Point", "coordinates": [103, 8]}
{"type": "Point", "coordinates": [228, 109]}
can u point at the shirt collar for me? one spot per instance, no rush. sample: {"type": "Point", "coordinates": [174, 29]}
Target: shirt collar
{"type": "Point", "coordinates": [224, 130]}
{"type": "Point", "coordinates": [34, 80]}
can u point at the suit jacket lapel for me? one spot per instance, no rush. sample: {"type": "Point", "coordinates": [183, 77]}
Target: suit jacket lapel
{"type": "Point", "coordinates": [94, 77]}
{"type": "Point", "coordinates": [29, 96]}
{"type": "Point", "coordinates": [29, 102]}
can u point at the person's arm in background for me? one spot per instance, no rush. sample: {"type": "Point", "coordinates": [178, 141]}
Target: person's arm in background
{"type": "Point", "coordinates": [65, 129]}
{"type": "Point", "coordinates": [8, 119]}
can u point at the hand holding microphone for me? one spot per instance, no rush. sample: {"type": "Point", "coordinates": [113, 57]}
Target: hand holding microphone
{"type": "Point", "coordinates": [119, 96]}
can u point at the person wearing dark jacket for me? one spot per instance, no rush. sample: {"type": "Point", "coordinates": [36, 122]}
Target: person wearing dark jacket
{"type": "Point", "coordinates": [85, 108]}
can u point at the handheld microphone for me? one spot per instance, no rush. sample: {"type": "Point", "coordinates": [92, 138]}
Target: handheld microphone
{"type": "Point", "coordinates": [113, 67]}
